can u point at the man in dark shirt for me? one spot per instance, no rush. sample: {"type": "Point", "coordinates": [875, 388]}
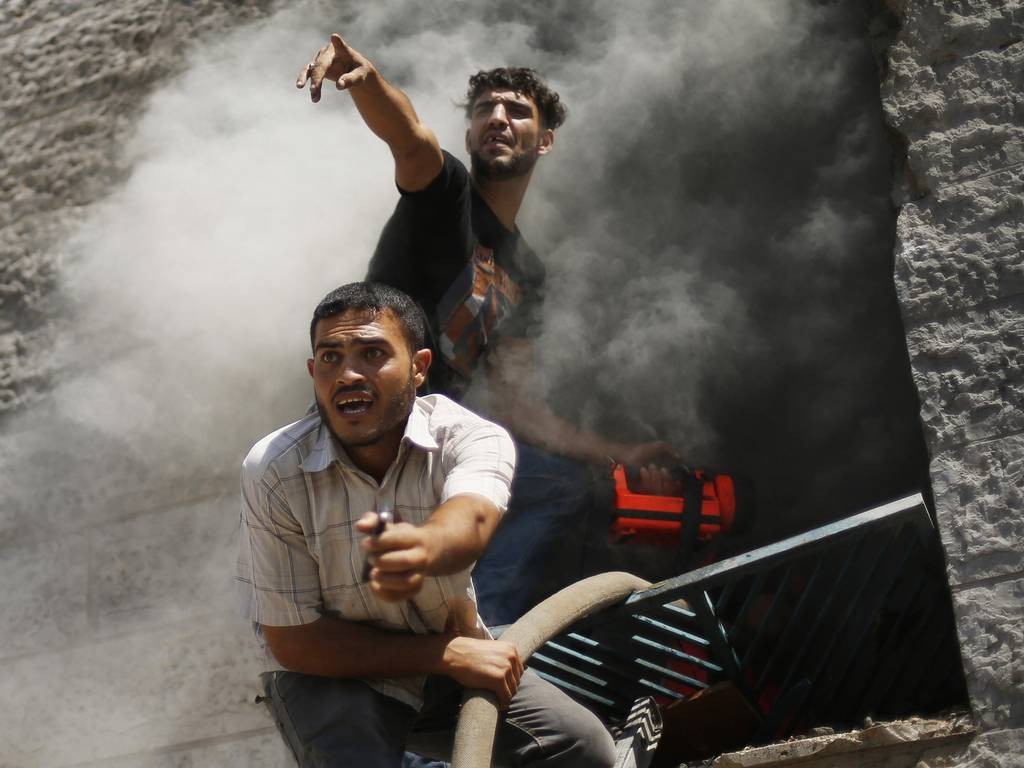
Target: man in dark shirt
{"type": "Point", "coordinates": [453, 245]}
{"type": "Point", "coordinates": [476, 279]}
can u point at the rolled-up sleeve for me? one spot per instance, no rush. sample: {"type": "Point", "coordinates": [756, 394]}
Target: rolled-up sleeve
{"type": "Point", "coordinates": [480, 460]}
{"type": "Point", "coordinates": [277, 579]}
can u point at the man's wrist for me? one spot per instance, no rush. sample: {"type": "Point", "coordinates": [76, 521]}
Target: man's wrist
{"type": "Point", "coordinates": [447, 657]}
{"type": "Point", "coordinates": [611, 453]}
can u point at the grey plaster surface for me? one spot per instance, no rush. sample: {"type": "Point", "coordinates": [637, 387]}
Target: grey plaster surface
{"type": "Point", "coordinates": [118, 642]}
{"type": "Point", "coordinates": [260, 748]}
{"type": "Point", "coordinates": [974, 486]}
{"type": "Point", "coordinates": [991, 621]}
{"type": "Point", "coordinates": [138, 692]}
{"type": "Point", "coordinates": [969, 371]}
{"type": "Point", "coordinates": [77, 76]}
{"type": "Point", "coordinates": [994, 749]}
{"type": "Point", "coordinates": [163, 566]}
{"type": "Point", "coordinates": [917, 742]}
{"type": "Point", "coordinates": [953, 92]}
{"type": "Point", "coordinates": [73, 475]}
{"type": "Point", "coordinates": [49, 608]}
{"type": "Point", "coordinates": [962, 247]}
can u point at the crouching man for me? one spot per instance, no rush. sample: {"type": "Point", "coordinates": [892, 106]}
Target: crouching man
{"type": "Point", "coordinates": [370, 631]}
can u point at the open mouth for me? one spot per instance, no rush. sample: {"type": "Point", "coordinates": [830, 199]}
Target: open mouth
{"type": "Point", "coordinates": [353, 404]}
{"type": "Point", "coordinates": [497, 140]}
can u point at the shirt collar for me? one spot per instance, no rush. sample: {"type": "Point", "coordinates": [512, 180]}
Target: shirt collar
{"type": "Point", "coordinates": [417, 429]}
{"type": "Point", "coordinates": [326, 450]}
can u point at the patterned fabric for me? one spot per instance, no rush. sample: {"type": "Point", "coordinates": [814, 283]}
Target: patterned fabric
{"type": "Point", "coordinates": [299, 554]}
{"type": "Point", "coordinates": [482, 298]}
{"type": "Point", "coordinates": [476, 280]}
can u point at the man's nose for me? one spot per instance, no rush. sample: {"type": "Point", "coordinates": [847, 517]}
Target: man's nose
{"type": "Point", "coordinates": [498, 115]}
{"type": "Point", "coordinates": [349, 374]}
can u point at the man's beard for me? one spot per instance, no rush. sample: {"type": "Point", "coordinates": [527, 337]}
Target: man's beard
{"type": "Point", "coordinates": [396, 411]}
{"type": "Point", "coordinates": [504, 168]}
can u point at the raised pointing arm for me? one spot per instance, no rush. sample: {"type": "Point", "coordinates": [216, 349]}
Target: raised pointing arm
{"type": "Point", "coordinates": [384, 108]}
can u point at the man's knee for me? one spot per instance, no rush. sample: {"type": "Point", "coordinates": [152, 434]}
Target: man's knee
{"type": "Point", "coordinates": [544, 727]}
{"type": "Point", "coordinates": [328, 722]}
{"type": "Point", "coordinates": [587, 742]}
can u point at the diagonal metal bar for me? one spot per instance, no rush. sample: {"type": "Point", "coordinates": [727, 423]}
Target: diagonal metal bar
{"type": "Point", "coordinates": [910, 508]}
{"type": "Point", "coordinates": [788, 624]}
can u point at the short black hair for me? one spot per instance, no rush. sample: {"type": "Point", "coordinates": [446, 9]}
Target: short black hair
{"type": "Point", "coordinates": [521, 80]}
{"type": "Point", "coordinates": [375, 297]}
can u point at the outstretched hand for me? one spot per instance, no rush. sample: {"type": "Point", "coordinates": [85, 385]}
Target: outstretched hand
{"type": "Point", "coordinates": [399, 558]}
{"type": "Point", "coordinates": [337, 62]}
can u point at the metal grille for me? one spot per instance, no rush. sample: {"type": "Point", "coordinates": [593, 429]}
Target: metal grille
{"type": "Point", "coordinates": [823, 627]}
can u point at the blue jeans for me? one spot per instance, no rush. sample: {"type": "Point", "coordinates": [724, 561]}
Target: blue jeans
{"type": "Point", "coordinates": [546, 514]}
{"type": "Point", "coordinates": [337, 723]}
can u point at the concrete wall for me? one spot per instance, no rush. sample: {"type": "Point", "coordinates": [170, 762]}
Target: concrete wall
{"type": "Point", "coordinates": [77, 75]}
{"type": "Point", "coordinates": [114, 650]}
{"type": "Point", "coordinates": [955, 93]}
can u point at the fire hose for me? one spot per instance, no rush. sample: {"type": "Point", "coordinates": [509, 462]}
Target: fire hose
{"type": "Point", "coordinates": [474, 736]}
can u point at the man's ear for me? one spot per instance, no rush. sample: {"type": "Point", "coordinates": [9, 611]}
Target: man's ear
{"type": "Point", "coordinates": [309, 367]}
{"type": "Point", "coordinates": [467, 139]}
{"type": "Point", "coordinates": [546, 141]}
{"type": "Point", "coordinates": [420, 365]}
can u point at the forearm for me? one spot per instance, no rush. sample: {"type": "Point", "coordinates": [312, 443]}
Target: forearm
{"type": "Point", "coordinates": [535, 423]}
{"type": "Point", "coordinates": [458, 533]}
{"type": "Point", "coordinates": [332, 647]}
{"type": "Point", "coordinates": [387, 112]}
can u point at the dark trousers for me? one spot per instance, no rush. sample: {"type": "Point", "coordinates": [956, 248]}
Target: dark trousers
{"type": "Point", "coordinates": [330, 723]}
{"type": "Point", "coordinates": [544, 525]}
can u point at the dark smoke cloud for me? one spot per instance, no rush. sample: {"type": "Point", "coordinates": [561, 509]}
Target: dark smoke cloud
{"type": "Point", "coordinates": [715, 218]}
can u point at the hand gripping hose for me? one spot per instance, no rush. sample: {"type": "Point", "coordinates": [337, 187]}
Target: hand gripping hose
{"type": "Point", "coordinates": [474, 736]}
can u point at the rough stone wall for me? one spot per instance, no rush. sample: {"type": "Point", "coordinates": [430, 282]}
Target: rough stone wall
{"type": "Point", "coordinates": [955, 92]}
{"type": "Point", "coordinates": [105, 659]}
{"type": "Point", "coordinates": [76, 75]}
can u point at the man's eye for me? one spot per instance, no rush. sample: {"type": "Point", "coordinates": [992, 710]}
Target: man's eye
{"type": "Point", "coordinates": [374, 353]}
{"type": "Point", "coordinates": [329, 357]}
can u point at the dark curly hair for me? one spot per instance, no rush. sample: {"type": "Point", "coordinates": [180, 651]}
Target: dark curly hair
{"type": "Point", "coordinates": [375, 297]}
{"type": "Point", "coordinates": [522, 80]}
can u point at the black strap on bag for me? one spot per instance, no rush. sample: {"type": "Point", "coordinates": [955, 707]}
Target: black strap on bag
{"type": "Point", "coordinates": [689, 527]}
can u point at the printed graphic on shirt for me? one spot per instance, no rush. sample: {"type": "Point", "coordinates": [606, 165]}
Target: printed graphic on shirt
{"type": "Point", "coordinates": [481, 298]}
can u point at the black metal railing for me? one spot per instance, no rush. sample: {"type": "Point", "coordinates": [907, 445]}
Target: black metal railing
{"type": "Point", "coordinates": [843, 621]}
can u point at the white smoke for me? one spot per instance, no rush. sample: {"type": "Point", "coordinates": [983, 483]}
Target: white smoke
{"type": "Point", "coordinates": [712, 217]}
{"type": "Point", "coordinates": [246, 204]}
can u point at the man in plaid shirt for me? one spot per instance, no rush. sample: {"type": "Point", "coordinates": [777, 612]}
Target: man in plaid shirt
{"type": "Point", "coordinates": [371, 632]}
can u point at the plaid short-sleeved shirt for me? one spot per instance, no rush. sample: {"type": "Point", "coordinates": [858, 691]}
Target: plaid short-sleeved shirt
{"type": "Point", "coordinates": [299, 555]}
